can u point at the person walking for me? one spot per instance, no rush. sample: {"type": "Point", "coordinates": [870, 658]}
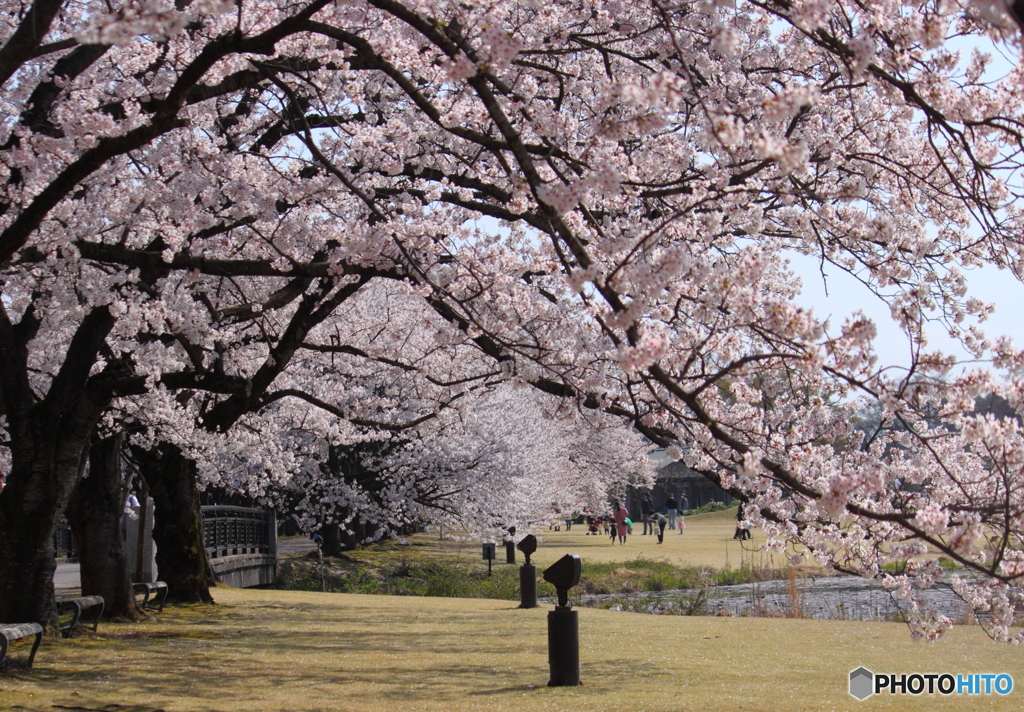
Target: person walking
{"type": "Point", "coordinates": [646, 507]}
{"type": "Point", "coordinates": [672, 507]}
{"type": "Point", "coordinates": [684, 507]}
{"type": "Point", "coordinates": [620, 515]}
{"type": "Point", "coordinates": [742, 526]}
{"type": "Point", "coordinates": [659, 520]}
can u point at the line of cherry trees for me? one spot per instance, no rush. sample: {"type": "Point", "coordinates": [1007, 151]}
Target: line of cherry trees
{"type": "Point", "coordinates": [236, 235]}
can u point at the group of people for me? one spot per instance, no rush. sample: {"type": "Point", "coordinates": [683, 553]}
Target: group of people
{"type": "Point", "coordinates": [654, 520]}
{"type": "Point", "coordinates": [671, 515]}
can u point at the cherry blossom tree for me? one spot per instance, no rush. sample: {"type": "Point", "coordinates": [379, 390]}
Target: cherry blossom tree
{"type": "Point", "coordinates": [502, 458]}
{"type": "Point", "coordinates": [597, 197]}
{"type": "Point", "coordinates": [671, 177]}
{"type": "Point", "coordinates": [70, 329]}
{"type": "Point", "coordinates": [411, 424]}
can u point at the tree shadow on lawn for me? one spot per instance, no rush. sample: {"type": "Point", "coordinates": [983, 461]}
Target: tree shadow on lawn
{"type": "Point", "coordinates": [324, 647]}
{"type": "Point", "coordinates": [261, 655]}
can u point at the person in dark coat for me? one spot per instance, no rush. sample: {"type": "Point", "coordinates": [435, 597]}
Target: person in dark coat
{"type": "Point", "coordinates": [646, 507]}
{"type": "Point", "coordinates": [672, 507]}
{"type": "Point", "coordinates": [659, 520]}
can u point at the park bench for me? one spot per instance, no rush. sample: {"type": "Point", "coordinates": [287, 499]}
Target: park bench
{"type": "Point", "coordinates": [155, 591]}
{"type": "Point", "coordinates": [17, 631]}
{"type": "Point", "coordinates": [76, 606]}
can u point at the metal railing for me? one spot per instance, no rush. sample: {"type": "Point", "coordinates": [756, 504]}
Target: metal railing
{"type": "Point", "coordinates": [228, 531]}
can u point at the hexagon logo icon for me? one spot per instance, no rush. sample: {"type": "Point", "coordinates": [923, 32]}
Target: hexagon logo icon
{"type": "Point", "coordinates": [862, 683]}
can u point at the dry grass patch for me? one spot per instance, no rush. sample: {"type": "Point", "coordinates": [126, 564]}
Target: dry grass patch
{"type": "Point", "coordinates": [287, 650]}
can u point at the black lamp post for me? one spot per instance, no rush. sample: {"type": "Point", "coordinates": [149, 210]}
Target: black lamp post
{"type": "Point", "coordinates": [528, 573]}
{"type": "Point", "coordinates": [563, 624]}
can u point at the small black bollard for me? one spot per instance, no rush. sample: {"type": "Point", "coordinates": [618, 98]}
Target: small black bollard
{"type": "Point", "coordinates": [527, 573]}
{"type": "Point", "coordinates": [564, 647]}
{"type": "Point", "coordinates": [488, 553]}
{"type": "Point", "coordinates": [563, 624]}
{"type": "Point", "coordinates": [510, 552]}
{"type": "Point", "coordinates": [527, 586]}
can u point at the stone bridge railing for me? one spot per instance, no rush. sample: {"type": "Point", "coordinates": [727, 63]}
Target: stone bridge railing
{"type": "Point", "coordinates": [241, 544]}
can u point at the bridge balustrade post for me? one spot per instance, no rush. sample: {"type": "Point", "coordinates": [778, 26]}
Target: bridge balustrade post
{"type": "Point", "coordinates": [271, 534]}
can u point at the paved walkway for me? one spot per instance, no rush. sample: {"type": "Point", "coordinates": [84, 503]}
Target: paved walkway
{"type": "Point", "coordinates": [67, 580]}
{"type": "Point", "coordinates": [294, 545]}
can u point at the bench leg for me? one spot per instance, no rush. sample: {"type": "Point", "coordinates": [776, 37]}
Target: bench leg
{"type": "Point", "coordinates": [68, 631]}
{"type": "Point", "coordinates": [35, 647]}
{"type": "Point", "coordinates": [95, 624]}
{"type": "Point", "coordinates": [161, 596]}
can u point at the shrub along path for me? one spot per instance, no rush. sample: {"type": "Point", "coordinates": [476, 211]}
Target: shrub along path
{"type": "Point", "coordinates": [298, 651]}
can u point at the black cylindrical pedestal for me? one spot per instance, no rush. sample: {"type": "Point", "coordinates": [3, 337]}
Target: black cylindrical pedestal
{"type": "Point", "coordinates": [527, 586]}
{"type": "Point", "coordinates": [510, 552]}
{"type": "Point", "coordinates": [564, 647]}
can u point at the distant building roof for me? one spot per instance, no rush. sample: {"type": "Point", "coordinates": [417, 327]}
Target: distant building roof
{"type": "Point", "coordinates": [678, 471]}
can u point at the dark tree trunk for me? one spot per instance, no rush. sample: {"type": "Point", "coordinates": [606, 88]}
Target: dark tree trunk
{"type": "Point", "coordinates": [177, 525]}
{"type": "Point", "coordinates": [49, 439]}
{"type": "Point", "coordinates": [337, 541]}
{"type": "Point", "coordinates": [331, 545]}
{"type": "Point", "coordinates": [360, 532]}
{"type": "Point", "coordinates": [27, 563]}
{"type": "Point", "coordinates": [346, 462]}
{"type": "Point", "coordinates": [95, 513]}
{"type": "Point", "coordinates": [37, 491]}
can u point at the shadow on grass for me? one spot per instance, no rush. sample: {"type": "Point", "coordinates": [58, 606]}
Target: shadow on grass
{"type": "Point", "coordinates": [319, 651]}
{"type": "Point", "coordinates": [109, 708]}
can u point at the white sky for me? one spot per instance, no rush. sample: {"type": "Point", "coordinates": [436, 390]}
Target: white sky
{"type": "Point", "coordinates": [845, 296]}
{"type": "Point", "coordinates": [999, 287]}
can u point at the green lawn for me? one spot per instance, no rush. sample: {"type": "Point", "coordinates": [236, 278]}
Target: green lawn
{"type": "Point", "coordinates": [433, 565]}
{"type": "Point", "coordinates": [297, 651]}
{"type": "Point", "coordinates": [707, 542]}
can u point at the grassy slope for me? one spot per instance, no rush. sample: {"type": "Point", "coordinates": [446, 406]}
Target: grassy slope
{"type": "Point", "coordinates": [296, 651]}
{"type": "Point", "coordinates": [442, 566]}
{"type": "Point", "coordinates": [707, 542]}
